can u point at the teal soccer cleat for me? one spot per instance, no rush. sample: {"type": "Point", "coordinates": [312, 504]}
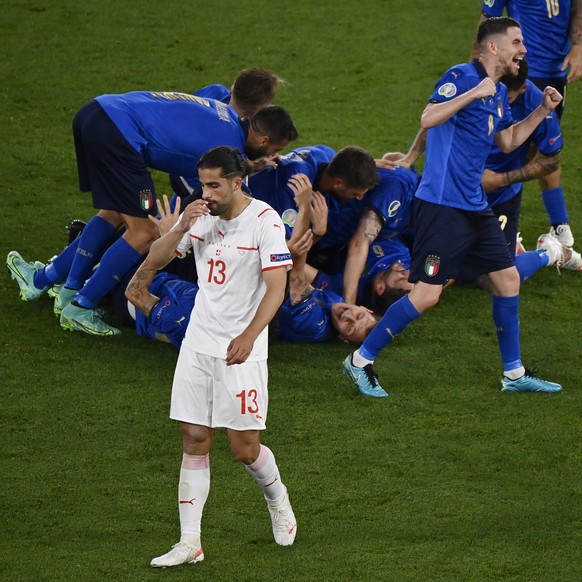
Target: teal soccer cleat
{"type": "Point", "coordinates": [528, 383]}
{"type": "Point", "coordinates": [23, 273]}
{"type": "Point", "coordinates": [74, 318]}
{"type": "Point", "coordinates": [364, 378]}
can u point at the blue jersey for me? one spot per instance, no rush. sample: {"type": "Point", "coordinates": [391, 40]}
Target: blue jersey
{"type": "Point", "coordinates": [381, 256]}
{"type": "Point", "coordinates": [270, 184]}
{"type": "Point", "coordinates": [545, 25]}
{"type": "Point", "coordinates": [392, 199]}
{"type": "Point", "coordinates": [547, 137]}
{"type": "Point", "coordinates": [217, 92]}
{"type": "Point", "coordinates": [310, 320]}
{"type": "Point", "coordinates": [173, 130]}
{"type": "Point", "coordinates": [169, 319]}
{"type": "Point", "coordinates": [456, 150]}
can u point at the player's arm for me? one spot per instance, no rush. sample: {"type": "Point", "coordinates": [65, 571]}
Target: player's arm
{"type": "Point", "coordinates": [540, 165]}
{"type": "Point", "coordinates": [574, 57]}
{"type": "Point", "coordinates": [162, 251]}
{"type": "Point", "coordinates": [240, 347]}
{"type": "Point", "coordinates": [513, 136]}
{"type": "Point", "coordinates": [369, 226]}
{"type": "Point", "coordinates": [438, 113]}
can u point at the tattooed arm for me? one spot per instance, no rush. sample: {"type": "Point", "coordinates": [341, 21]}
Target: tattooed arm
{"type": "Point", "coordinates": [539, 166]}
{"type": "Point", "coordinates": [161, 253]}
{"type": "Point", "coordinates": [368, 229]}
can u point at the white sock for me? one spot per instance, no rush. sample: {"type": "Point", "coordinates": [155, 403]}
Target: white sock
{"type": "Point", "coordinates": [515, 374]}
{"type": "Point", "coordinates": [192, 494]}
{"type": "Point", "coordinates": [359, 361]}
{"type": "Point", "coordinates": [266, 473]}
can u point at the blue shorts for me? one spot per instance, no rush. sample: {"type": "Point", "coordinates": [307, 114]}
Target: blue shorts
{"type": "Point", "coordinates": [450, 241]}
{"type": "Point", "coordinates": [113, 171]}
{"type": "Point", "coordinates": [508, 215]}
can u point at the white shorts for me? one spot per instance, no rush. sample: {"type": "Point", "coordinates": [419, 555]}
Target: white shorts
{"type": "Point", "coordinates": [209, 393]}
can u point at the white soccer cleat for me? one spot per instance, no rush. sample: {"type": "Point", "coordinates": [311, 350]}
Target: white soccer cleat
{"type": "Point", "coordinates": [573, 262]}
{"type": "Point", "coordinates": [180, 553]}
{"type": "Point", "coordinates": [553, 247]}
{"type": "Point", "coordinates": [283, 520]}
{"type": "Point", "coordinates": [563, 233]}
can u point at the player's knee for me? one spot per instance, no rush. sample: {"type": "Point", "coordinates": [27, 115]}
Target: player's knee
{"type": "Point", "coordinates": [246, 454]}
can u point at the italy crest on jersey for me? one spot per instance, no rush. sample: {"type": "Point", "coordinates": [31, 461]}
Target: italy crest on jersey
{"type": "Point", "coordinates": [499, 108]}
{"type": "Point", "coordinates": [447, 90]}
{"type": "Point", "coordinates": [146, 199]}
{"type": "Point", "coordinates": [432, 265]}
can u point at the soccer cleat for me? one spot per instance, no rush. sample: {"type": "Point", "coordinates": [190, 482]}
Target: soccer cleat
{"type": "Point", "coordinates": [74, 318]}
{"type": "Point", "coordinates": [553, 247]}
{"type": "Point", "coordinates": [563, 233]}
{"type": "Point", "coordinates": [573, 262]}
{"type": "Point", "coordinates": [283, 520]}
{"type": "Point", "coordinates": [23, 273]}
{"type": "Point", "coordinates": [364, 378]}
{"type": "Point", "coordinates": [528, 383]}
{"type": "Point", "coordinates": [180, 553]}
{"type": "Point", "coordinates": [63, 297]}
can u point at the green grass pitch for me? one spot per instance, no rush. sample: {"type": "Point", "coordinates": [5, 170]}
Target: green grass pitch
{"type": "Point", "coordinates": [447, 479]}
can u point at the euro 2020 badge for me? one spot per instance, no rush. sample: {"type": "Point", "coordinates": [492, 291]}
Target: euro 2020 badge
{"type": "Point", "coordinates": [432, 265]}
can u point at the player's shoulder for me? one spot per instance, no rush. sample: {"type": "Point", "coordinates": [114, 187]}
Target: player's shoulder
{"type": "Point", "coordinates": [263, 214]}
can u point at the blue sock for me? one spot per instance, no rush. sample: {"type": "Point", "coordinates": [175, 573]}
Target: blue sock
{"type": "Point", "coordinates": [57, 270]}
{"type": "Point", "coordinates": [119, 258]}
{"type": "Point", "coordinates": [506, 319]}
{"type": "Point", "coordinates": [529, 263]}
{"type": "Point", "coordinates": [93, 240]}
{"type": "Point", "coordinates": [395, 320]}
{"type": "Point", "coordinates": [555, 204]}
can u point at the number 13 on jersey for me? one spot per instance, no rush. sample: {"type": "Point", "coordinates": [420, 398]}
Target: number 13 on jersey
{"type": "Point", "coordinates": [216, 271]}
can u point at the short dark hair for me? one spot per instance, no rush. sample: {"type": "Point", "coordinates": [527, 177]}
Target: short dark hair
{"type": "Point", "coordinates": [254, 88]}
{"type": "Point", "coordinates": [516, 82]}
{"type": "Point", "coordinates": [229, 160]}
{"type": "Point", "coordinates": [274, 122]}
{"type": "Point", "coordinates": [495, 25]}
{"type": "Point", "coordinates": [355, 166]}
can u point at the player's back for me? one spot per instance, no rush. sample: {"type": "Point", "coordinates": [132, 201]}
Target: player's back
{"type": "Point", "coordinates": [173, 130]}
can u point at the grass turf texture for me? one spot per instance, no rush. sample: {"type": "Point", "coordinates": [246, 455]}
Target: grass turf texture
{"type": "Point", "coordinates": [447, 479]}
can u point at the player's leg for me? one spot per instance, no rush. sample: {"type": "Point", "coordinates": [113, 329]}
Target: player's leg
{"type": "Point", "coordinates": [191, 387]}
{"type": "Point", "coordinates": [505, 310]}
{"type": "Point", "coordinates": [242, 408]}
{"type": "Point", "coordinates": [122, 187]}
{"type": "Point", "coordinates": [555, 204]}
{"type": "Point", "coordinates": [261, 465]}
{"type": "Point", "coordinates": [443, 238]}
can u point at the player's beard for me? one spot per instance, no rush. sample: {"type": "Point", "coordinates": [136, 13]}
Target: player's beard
{"type": "Point", "coordinates": [255, 153]}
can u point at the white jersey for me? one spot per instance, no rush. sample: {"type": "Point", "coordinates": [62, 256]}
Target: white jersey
{"type": "Point", "coordinates": [231, 256]}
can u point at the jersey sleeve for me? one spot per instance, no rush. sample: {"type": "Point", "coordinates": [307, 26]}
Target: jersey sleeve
{"type": "Point", "coordinates": [185, 243]}
{"type": "Point", "coordinates": [218, 92]}
{"type": "Point", "coordinates": [453, 83]}
{"type": "Point", "coordinates": [272, 244]}
{"type": "Point", "coordinates": [306, 322]}
{"type": "Point", "coordinates": [493, 7]}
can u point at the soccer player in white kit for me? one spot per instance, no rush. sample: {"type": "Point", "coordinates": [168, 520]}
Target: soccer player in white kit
{"type": "Point", "coordinates": [221, 374]}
